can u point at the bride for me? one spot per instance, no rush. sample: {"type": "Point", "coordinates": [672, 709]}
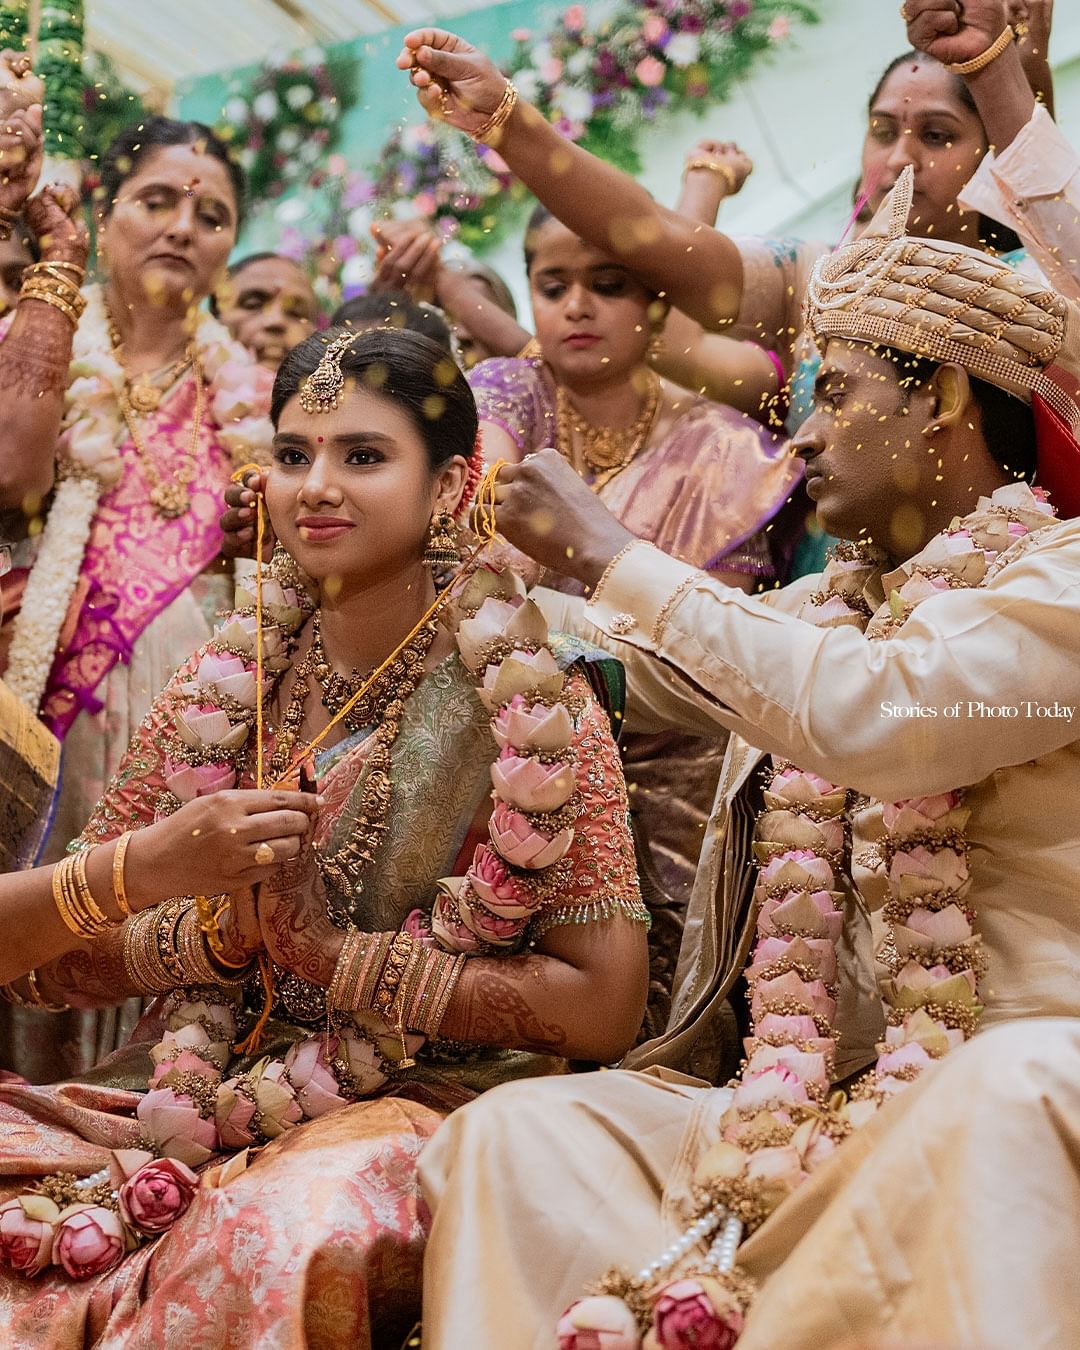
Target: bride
{"type": "Point", "coordinates": [437, 938]}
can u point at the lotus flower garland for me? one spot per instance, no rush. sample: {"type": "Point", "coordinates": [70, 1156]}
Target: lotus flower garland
{"type": "Point", "coordinates": [781, 1124]}
{"type": "Point", "coordinates": [502, 638]}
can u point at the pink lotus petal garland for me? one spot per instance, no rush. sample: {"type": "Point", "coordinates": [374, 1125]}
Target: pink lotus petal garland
{"type": "Point", "coordinates": [782, 1122]}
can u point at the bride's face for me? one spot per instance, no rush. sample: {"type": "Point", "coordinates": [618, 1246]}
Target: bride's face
{"type": "Point", "coordinates": [351, 492]}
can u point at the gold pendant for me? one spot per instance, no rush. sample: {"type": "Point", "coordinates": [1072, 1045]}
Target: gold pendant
{"type": "Point", "coordinates": [170, 499]}
{"type": "Point", "coordinates": [144, 398]}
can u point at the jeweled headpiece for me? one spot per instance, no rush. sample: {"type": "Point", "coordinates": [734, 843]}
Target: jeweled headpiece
{"type": "Point", "coordinates": [321, 391]}
{"type": "Point", "coordinates": [948, 302]}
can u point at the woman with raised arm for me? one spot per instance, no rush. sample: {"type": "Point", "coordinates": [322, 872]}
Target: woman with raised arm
{"type": "Point", "coordinates": [433, 940]}
{"type": "Point", "coordinates": [1032, 178]}
{"type": "Point", "coordinates": [918, 111]}
{"type": "Point", "coordinates": [696, 478]}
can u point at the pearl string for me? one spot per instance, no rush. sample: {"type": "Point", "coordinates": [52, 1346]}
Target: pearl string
{"type": "Point", "coordinates": [725, 1246]}
{"type": "Point", "coordinates": [697, 1232]}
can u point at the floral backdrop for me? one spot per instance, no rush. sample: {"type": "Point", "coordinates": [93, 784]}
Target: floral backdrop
{"type": "Point", "coordinates": [600, 81]}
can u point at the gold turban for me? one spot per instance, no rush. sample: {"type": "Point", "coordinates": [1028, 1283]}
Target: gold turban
{"type": "Point", "coordinates": [948, 302]}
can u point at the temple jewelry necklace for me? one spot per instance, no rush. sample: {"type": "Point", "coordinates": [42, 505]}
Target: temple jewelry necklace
{"type": "Point", "coordinates": [169, 499]}
{"type": "Point", "coordinates": [339, 690]}
{"type": "Point", "coordinates": [605, 450]}
{"type": "Point", "coordinates": [141, 397]}
{"type": "Point", "coordinates": [382, 706]}
{"type": "Point", "coordinates": [383, 703]}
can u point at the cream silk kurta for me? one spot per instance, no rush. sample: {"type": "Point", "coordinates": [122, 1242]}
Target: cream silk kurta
{"type": "Point", "coordinates": [879, 717]}
{"type": "Point", "coordinates": [952, 1219]}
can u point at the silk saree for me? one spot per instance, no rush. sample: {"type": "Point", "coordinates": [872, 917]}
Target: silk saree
{"type": "Point", "coordinates": [319, 1242]}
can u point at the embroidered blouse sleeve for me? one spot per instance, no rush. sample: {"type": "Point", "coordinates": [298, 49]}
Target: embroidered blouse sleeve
{"type": "Point", "coordinates": [514, 394]}
{"type": "Point", "coordinates": [131, 800]}
{"type": "Point", "coordinates": [602, 869]}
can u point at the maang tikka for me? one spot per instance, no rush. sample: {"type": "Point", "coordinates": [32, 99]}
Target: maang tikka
{"type": "Point", "coordinates": [321, 391]}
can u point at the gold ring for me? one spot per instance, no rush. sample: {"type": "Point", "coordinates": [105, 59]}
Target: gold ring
{"type": "Point", "coordinates": [264, 855]}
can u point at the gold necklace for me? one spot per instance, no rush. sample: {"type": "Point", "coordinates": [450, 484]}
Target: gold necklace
{"type": "Point", "coordinates": [145, 392]}
{"type": "Point", "coordinates": [339, 691]}
{"type": "Point", "coordinates": [141, 397]}
{"type": "Point", "coordinates": [605, 450]}
{"type": "Point", "coordinates": [383, 705]}
{"type": "Point", "coordinates": [169, 499]}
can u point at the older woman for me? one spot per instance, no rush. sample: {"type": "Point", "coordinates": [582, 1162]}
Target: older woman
{"type": "Point", "coordinates": [134, 407]}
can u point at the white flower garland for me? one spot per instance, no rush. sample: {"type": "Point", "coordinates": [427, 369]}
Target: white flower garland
{"type": "Point", "coordinates": [89, 463]}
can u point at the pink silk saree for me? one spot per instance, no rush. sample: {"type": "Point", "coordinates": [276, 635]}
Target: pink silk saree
{"type": "Point", "coordinates": [318, 1244]}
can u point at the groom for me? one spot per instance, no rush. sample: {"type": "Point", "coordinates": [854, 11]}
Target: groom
{"type": "Point", "coordinates": [944, 378]}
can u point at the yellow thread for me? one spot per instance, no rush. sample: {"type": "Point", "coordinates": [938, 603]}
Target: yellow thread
{"type": "Point", "coordinates": [260, 534]}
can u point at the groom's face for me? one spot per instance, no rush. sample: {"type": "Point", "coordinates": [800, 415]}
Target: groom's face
{"type": "Point", "coordinates": [870, 469]}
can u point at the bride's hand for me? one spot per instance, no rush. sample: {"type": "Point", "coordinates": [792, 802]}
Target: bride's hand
{"type": "Point", "coordinates": [209, 845]}
{"type": "Point", "coordinates": [296, 928]}
{"type": "Point", "coordinates": [453, 81]}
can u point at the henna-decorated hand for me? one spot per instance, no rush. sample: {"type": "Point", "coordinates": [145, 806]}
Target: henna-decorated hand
{"type": "Point", "coordinates": [22, 151]}
{"type": "Point", "coordinates": [296, 928]}
{"type": "Point", "coordinates": [241, 935]}
{"type": "Point", "coordinates": [55, 217]}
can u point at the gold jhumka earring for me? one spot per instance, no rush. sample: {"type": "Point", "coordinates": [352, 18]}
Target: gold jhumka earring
{"type": "Point", "coordinates": [321, 391]}
{"type": "Point", "coordinates": [442, 550]}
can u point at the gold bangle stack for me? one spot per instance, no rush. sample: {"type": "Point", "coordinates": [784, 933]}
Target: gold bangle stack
{"type": "Point", "coordinates": [358, 970]}
{"type": "Point", "coordinates": [74, 900]}
{"type": "Point", "coordinates": [119, 888]}
{"type": "Point", "coordinates": [199, 963]}
{"type": "Point", "coordinates": [151, 956]}
{"type": "Point", "coordinates": [37, 1000]}
{"type": "Point", "coordinates": [393, 972]}
{"type": "Point", "coordinates": [992, 53]}
{"type": "Point", "coordinates": [426, 996]}
{"type": "Point", "coordinates": [52, 284]}
{"type": "Point", "coordinates": [499, 117]}
{"type": "Point", "coordinates": [716, 166]}
{"type": "Point", "coordinates": [393, 976]}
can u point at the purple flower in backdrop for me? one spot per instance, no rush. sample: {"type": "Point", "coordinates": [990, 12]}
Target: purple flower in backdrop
{"type": "Point", "coordinates": [358, 192]}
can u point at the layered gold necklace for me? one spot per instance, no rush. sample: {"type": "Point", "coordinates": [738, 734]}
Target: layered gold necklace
{"type": "Point", "coordinates": [141, 397]}
{"type": "Point", "coordinates": [382, 706]}
{"type": "Point", "coordinates": [605, 451]}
